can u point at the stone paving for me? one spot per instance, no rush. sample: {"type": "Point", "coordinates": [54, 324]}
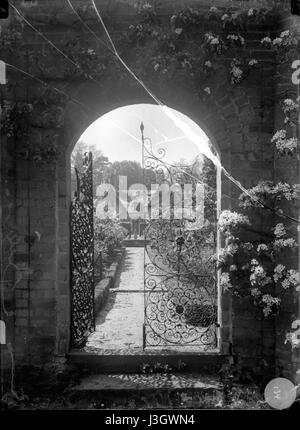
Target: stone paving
{"type": "Point", "coordinates": [120, 324]}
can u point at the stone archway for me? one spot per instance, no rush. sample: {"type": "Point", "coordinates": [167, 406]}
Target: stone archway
{"type": "Point", "coordinates": [111, 335]}
{"type": "Point", "coordinates": [230, 118]}
{"type": "Point", "coordinates": [75, 127]}
{"type": "Point", "coordinates": [239, 119]}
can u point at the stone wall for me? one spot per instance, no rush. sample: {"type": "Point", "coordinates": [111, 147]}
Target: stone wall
{"type": "Point", "coordinates": [239, 120]}
{"type": "Point", "coordinates": [286, 169]}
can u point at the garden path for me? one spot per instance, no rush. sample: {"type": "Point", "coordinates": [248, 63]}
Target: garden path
{"type": "Point", "coordinates": [119, 325]}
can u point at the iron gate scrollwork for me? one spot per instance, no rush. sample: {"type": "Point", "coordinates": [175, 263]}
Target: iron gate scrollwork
{"type": "Point", "coordinates": [180, 307]}
{"type": "Point", "coordinates": [82, 255]}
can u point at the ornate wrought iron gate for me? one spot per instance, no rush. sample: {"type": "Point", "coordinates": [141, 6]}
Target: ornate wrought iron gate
{"type": "Point", "coordinates": [180, 307]}
{"type": "Point", "coordinates": [82, 255]}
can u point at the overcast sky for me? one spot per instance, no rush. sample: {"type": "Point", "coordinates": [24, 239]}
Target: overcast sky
{"type": "Point", "coordinates": [118, 134]}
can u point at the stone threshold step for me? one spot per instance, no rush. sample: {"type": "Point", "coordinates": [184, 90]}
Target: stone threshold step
{"type": "Point", "coordinates": [130, 364]}
{"type": "Point", "coordinates": [101, 383]}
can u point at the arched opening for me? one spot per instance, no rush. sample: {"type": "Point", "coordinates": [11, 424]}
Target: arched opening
{"type": "Point", "coordinates": [147, 279]}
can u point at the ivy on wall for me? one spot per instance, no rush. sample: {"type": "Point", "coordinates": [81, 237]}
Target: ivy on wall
{"type": "Point", "coordinates": [177, 52]}
{"type": "Point", "coordinates": [32, 129]}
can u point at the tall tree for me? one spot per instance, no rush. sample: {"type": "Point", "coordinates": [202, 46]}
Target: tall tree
{"type": "Point", "coordinates": [99, 163]}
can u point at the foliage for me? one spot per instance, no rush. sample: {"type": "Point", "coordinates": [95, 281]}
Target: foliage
{"type": "Point", "coordinates": [286, 44]}
{"type": "Point", "coordinates": [285, 141]}
{"type": "Point", "coordinates": [178, 49]}
{"type": "Point", "coordinates": [133, 171]}
{"type": "Point", "coordinates": [105, 171]}
{"type": "Point", "coordinates": [264, 268]}
{"type": "Point", "coordinates": [257, 268]}
{"type": "Point", "coordinates": [34, 134]}
{"type": "Point", "coordinates": [268, 193]}
{"type": "Point", "coordinates": [252, 268]}
{"type": "Point", "coordinates": [108, 235]}
{"type": "Point", "coordinates": [156, 368]}
{"type": "Point", "coordinates": [175, 49]}
{"type": "Point", "coordinates": [201, 171]}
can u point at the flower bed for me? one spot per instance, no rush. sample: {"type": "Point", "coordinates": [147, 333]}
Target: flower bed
{"type": "Point", "coordinates": [102, 288]}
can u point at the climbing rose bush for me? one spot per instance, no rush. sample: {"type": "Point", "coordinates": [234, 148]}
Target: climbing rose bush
{"type": "Point", "coordinates": [258, 269]}
{"type": "Point", "coordinates": [254, 269]}
{"type": "Point", "coordinates": [283, 144]}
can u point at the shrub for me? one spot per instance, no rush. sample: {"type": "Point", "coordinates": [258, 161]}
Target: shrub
{"type": "Point", "coordinates": [108, 235]}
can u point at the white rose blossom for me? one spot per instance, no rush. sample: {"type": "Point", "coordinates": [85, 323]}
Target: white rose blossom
{"type": "Point", "coordinates": [225, 280]}
{"type": "Point", "coordinates": [147, 6]}
{"type": "Point", "coordinates": [213, 9]}
{"type": "Point", "coordinates": [262, 247]}
{"type": "Point", "coordinates": [279, 230]}
{"type": "Point", "coordinates": [292, 338]}
{"type": "Point", "coordinates": [237, 74]}
{"type": "Point", "coordinates": [214, 41]}
{"type": "Point", "coordinates": [236, 37]}
{"type": "Point", "coordinates": [277, 41]}
{"type": "Point", "coordinates": [255, 292]}
{"type": "Point", "coordinates": [284, 144]}
{"type": "Point", "coordinates": [230, 219]}
{"type": "Point", "coordinates": [292, 279]}
{"type": "Point", "coordinates": [278, 272]}
{"type": "Point", "coordinates": [253, 62]}
{"type": "Point", "coordinates": [285, 33]}
{"type": "Point", "coordinates": [178, 30]}
{"type": "Point", "coordinates": [266, 40]}
{"type": "Point", "coordinates": [269, 302]}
